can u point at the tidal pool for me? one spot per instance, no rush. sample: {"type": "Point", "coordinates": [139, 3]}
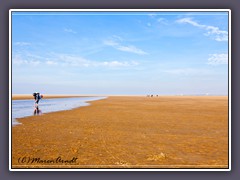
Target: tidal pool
{"type": "Point", "coordinates": [24, 108]}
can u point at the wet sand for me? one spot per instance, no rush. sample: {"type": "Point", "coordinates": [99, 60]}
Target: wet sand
{"type": "Point", "coordinates": [127, 132]}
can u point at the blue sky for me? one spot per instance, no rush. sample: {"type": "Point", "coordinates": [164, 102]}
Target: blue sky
{"type": "Point", "coordinates": [127, 53]}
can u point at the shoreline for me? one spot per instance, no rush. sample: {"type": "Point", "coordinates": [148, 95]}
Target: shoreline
{"type": "Point", "coordinates": [66, 105]}
{"type": "Point", "coordinates": [24, 97]}
{"type": "Point", "coordinates": [51, 96]}
{"type": "Point", "coordinates": [125, 132]}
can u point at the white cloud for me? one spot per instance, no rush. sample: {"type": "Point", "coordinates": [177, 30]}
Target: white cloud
{"type": "Point", "coordinates": [22, 43]}
{"type": "Point", "coordinates": [115, 63]}
{"type": "Point", "coordinates": [119, 64]}
{"type": "Point", "coordinates": [77, 61]}
{"type": "Point", "coordinates": [118, 37]}
{"type": "Point", "coordinates": [70, 30]}
{"type": "Point", "coordinates": [162, 21]}
{"type": "Point", "coordinates": [189, 21]}
{"type": "Point", "coordinates": [51, 63]}
{"type": "Point", "coordinates": [34, 62]}
{"type": "Point", "coordinates": [158, 19]}
{"type": "Point", "coordinates": [70, 60]}
{"type": "Point", "coordinates": [217, 59]}
{"type": "Point", "coordinates": [131, 49]}
{"type": "Point", "coordinates": [66, 60]}
{"type": "Point", "coordinates": [212, 31]}
{"type": "Point", "coordinates": [19, 60]}
{"type": "Point", "coordinates": [126, 48]}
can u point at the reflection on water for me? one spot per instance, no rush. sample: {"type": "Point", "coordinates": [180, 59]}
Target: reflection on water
{"type": "Point", "coordinates": [24, 108]}
{"type": "Point", "coordinates": [37, 111]}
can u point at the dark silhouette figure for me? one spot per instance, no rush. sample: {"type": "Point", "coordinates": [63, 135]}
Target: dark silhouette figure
{"type": "Point", "coordinates": [37, 97]}
{"type": "Point", "coordinates": [37, 111]}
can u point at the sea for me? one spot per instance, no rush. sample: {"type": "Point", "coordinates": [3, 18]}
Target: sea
{"type": "Point", "coordinates": [25, 108]}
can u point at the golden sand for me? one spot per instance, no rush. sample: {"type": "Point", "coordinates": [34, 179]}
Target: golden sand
{"type": "Point", "coordinates": [128, 132]}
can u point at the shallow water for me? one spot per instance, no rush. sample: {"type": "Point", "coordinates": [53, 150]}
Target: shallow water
{"type": "Point", "coordinates": [24, 108]}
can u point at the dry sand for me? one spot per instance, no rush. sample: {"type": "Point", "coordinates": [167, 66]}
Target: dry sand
{"type": "Point", "coordinates": [128, 132]}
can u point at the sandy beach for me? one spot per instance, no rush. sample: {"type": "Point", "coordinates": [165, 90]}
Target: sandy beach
{"type": "Point", "coordinates": [127, 132]}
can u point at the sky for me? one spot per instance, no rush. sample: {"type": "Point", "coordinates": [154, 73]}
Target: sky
{"type": "Point", "coordinates": [120, 53]}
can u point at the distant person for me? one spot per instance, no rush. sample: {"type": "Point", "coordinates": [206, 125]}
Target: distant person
{"type": "Point", "coordinates": [37, 98]}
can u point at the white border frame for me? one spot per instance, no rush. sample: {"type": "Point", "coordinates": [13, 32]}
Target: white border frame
{"type": "Point", "coordinates": [120, 10]}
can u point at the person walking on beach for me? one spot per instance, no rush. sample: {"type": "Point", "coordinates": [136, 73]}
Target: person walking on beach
{"type": "Point", "coordinates": [37, 97]}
